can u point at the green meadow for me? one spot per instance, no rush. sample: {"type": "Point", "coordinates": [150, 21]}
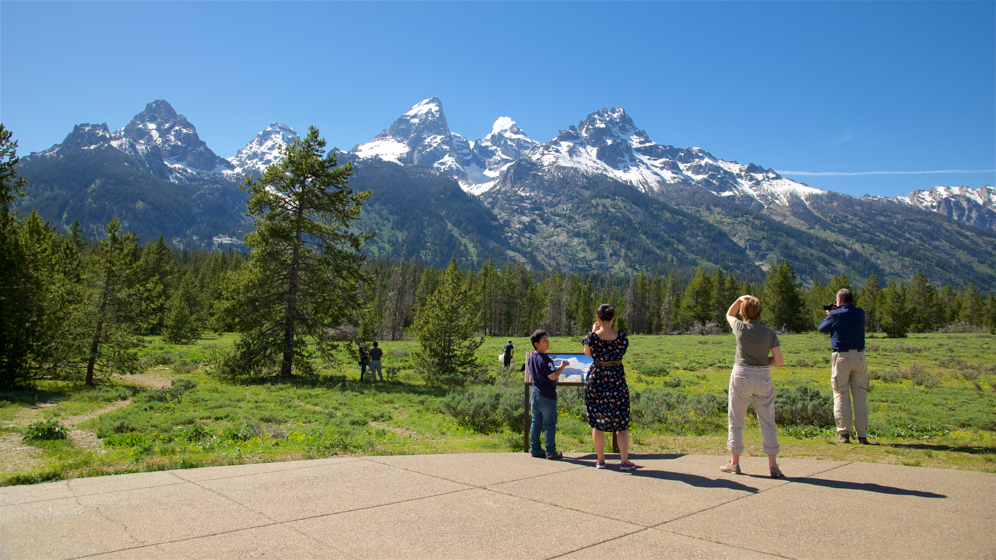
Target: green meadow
{"type": "Point", "coordinates": [932, 404]}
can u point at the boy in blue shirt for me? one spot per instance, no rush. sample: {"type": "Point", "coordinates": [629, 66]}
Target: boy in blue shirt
{"type": "Point", "coordinates": [544, 396]}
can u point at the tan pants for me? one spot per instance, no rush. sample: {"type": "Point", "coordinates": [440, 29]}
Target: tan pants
{"type": "Point", "coordinates": [752, 384]}
{"type": "Point", "coordinates": [850, 377]}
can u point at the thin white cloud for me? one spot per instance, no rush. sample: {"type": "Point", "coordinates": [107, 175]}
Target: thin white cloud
{"type": "Point", "coordinates": [824, 173]}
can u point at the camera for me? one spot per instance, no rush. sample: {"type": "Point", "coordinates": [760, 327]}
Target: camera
{"type": "Point", "coordinates": [830, 307]}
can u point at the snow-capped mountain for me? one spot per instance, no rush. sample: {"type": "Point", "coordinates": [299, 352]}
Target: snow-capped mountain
{"type": "Point", "coordinates": [503, 147]}
{"type": "Point", "coordinates": [158, 138]}
{"type": "Point", "coordinates": [262, 151]}
{"type": "Point", "coordinates": [609, 143]}
{"type": "Point", "coordinates": [422, 137]}
{"type": "Point", "coordinates": [964, 204]}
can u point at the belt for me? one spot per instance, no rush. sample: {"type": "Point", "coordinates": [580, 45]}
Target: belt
{"type": "Point", "coordinates": [604, 363]}
{"type": "Point", "coordinates": [850, 350]}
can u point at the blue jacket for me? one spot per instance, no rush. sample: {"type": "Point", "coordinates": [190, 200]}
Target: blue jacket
{"type": "Point", "coordinates": [846, 326]}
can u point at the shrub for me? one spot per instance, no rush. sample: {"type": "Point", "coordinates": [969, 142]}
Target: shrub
{"type": "Point", "coordinates": [655, 370]}
{"type": "Point", "coordinates": [804, 406]}
{"type": "Point", "coordinates": [678, 412]}
{"type": "Point", "coordinates": [962, 327]}
{"type": "Point", "coordinates": [919, 375]}
{"type": "Point", "coordinates": [44, 430]}
{"type": "Point", "coordinates": [487, 409]}
{"type": "Point", "coordinates": [173, 393]}
{"type": "Point", "coordinates": [706, 329]}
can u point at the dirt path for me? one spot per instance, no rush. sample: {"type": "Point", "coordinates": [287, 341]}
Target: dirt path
{"type": "Point", "coordinates": [16, 456]}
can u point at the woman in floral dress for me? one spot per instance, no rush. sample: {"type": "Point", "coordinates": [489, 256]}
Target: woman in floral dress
{"type": "Point", "coordinates": [606, 395]}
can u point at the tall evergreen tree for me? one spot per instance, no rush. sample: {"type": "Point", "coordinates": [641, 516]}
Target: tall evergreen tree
{"type": "Point", "coordinates": [184, 312]}
{"type": "Point", "coordinates": [400, 297]}
{"type": "Point", "coordinates": [445, 327]}
{"type": "Point", "coordinates": [23, 258]}
{"type": "Point", "coordinates": [972, 310]}
{"type": "Point", "coordinates": [868, 298]}
{"type": "Point", "coordinates": [782, 301]}
{"type": "Point", "coordinates": [101, 333]}
{"type": "Point", "coordinates": [924, 305]}
{"type": "Point", "coordinates": [305, 267]}
{"type": "Point", "coordinates": [696, 304]}
{"type": "Point", "coordinates": [894, 311]}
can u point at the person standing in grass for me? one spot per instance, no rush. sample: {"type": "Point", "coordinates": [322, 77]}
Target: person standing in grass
{"type": "Point", "coordinates": [375, 356]}
{"type": "Point", "coordinates": [849, 368]}
{"type": "Point", "coordinates": [507, 355]}
{"type": "Point", "coordinates": [758, 350]}
{"type": "Point", "coordinates": [543, 399]}
{"type": "Point", "coordinates": [363, 362]}
{"type": "Point", "coordinates": [606, 395]}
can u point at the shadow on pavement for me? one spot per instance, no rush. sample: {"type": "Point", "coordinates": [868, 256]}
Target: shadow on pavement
{"type": "Point", "coordinates": [864, 487]}
{"type": "Point", "coordinates": [647, 472]}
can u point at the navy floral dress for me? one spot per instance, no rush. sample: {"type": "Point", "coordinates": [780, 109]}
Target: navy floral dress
{"type": "Point", "coordinates": [606, 395]}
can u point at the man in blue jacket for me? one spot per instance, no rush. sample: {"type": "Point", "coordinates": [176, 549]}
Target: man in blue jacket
{"type": "Point", "coordinates": [849, 369]}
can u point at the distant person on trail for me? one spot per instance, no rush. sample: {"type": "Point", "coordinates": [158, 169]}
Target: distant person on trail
{"type": "Point", "coordinates": [543, 399]}
{"type": "Point", "coordinates": [507, 357]}
{"type": "Point", "coordinates": [606, 395]}
{"type": "Point", "coordinates": [848, 366]}
{"type": "Point", "coordinates": [363, 362]}
{"type": "Point", "coordinates": [751, 380]}
{"type": "Point", "coordinates": [375, 355]}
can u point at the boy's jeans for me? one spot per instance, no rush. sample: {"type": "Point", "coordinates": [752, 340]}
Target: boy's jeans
{"type": "Point", "coordinates": [545, 416]}
{"type": "Point", "coordinates": [747, 384]}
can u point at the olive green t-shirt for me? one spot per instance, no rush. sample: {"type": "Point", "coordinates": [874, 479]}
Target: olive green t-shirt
{"type": "Point", "coordinates": [754, 341]}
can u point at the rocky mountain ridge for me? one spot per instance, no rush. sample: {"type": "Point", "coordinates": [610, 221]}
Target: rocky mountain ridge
{"type": "Point", "coordinates": [962, 204]}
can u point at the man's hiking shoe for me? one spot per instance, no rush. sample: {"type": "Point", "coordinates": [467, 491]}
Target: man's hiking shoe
{"type": "Point", "coordinates": [539, 454]}
{"type": "Point", "coordinates": [844, 438]}
{"type": "Point", "coordinates": [730, 468]}
{"type": "Point", "coordinates": [626, 466]}
{"type": "Point", "coordinates": [863, 441]}
{"type": "Point", "coordinates": [599, 464]}
{"type": "Point", "coordinates": [555, 455]}
{"type": "Point", "coordinates": [776, 472]}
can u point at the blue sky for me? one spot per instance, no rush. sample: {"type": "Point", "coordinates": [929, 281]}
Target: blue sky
{"type": "Point", "coordinates": [881, 96]}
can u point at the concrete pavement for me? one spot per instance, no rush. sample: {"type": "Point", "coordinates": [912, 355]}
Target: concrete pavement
{"type": "Point", "coordinates": [507, 506]}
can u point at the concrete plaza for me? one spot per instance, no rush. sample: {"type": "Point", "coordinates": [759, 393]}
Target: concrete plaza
{"type": "Point", "coordinates": [507, 506]}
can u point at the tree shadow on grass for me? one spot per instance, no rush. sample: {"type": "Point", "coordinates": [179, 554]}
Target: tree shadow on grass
{"type": "Point", "coordinates": [940, 447]}
{"type": "Point", "coordinates": [342, 383]}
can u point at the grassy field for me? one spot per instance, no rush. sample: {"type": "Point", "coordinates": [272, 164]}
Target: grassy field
{"type": "Point", "coordinates": [932, 403]}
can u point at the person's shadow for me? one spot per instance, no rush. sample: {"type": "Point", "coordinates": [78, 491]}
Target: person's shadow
{"type": "Point", "coordinates": [732, 484]}
{"type": "Point", "coordinates": [689, 479]}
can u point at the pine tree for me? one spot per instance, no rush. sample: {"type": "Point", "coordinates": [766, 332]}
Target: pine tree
{"type": "Point", "coordinates": [696, 304]}
{"type": "Point", "coordinates": [782, 302]}
{"type": "Point", "coordinates": [445, 327]}
{"type": "Point", "coordinates": [400, 297]}
{"type": "Point", "coordinates": [25, 277]}
{"type": "Point", "coordinates": [101, 333]}
{"type": "Point", "coordinates": [894, 311]}
{"type": "Point", "coordinates": [720, 300]}
{"type": "Point", "coordinates": [991, 313]}
{"type": "Point", "coordinates": [305, 267]}
{"type": "Point", "coordinates": [869, 302]}
{"type": "Point", "coordinates": [184, 312]}
{"type": "Point", "coordinates": [924, 305]}
{"type": "Point", "coordinates": [972, 311]}
{"type": "Point", "coordinates": [670, 304]}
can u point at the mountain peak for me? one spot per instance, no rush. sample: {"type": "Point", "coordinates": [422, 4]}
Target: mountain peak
{"type": "Point", "coordinates": [263, 151]}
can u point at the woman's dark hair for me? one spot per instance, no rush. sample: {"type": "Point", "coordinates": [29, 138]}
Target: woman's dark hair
{"type": "Point", "coordinates": [605, 312]}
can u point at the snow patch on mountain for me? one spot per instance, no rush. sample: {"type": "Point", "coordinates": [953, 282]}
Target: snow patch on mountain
{"type": "Point", "coordinates": [964, 204]}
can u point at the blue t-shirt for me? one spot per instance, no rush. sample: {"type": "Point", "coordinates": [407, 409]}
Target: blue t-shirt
{"type": "Point", "coordinates": [846, 326]}
{"type": "Point", "coordinates": [541, 368]}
